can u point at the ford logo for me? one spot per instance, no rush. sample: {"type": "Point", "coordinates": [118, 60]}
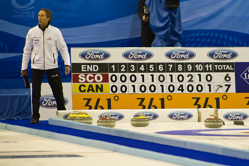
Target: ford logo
{"type": "Point", "coordinates": [95, 55]}
{"type": "Point", "coordinates": [48, 101]}
{"type": "Point", "coordinates": [149, 115]}
{"type": "Point", "coordinates": [137, 55]}
{"type": "Point", "coordinates": [235, 116]}
{"type": "Point", "coordinates": [180, 54]}
{"type": "Point", "coordinates": [221, 54]}
{"type": "Point", "coordinates": [180, 115]}
{"type": "Point", "coordinates": [114, 115]}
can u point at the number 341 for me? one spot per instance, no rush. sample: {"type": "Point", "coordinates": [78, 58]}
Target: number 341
{"type": "Point", "coordinates": [206, 104]}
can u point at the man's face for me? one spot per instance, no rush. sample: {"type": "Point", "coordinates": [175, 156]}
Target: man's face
{"type": "Point", "coordinates": [43, 19]}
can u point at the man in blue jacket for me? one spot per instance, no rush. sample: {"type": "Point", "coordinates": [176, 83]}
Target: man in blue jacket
{"type": "Point", "coordinates": [165, 23]}
{"type": "Point", "coordinates": [42, 43]}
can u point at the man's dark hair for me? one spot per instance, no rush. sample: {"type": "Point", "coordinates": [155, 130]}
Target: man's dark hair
{"type": "Point", "coordinates": [48, 14]}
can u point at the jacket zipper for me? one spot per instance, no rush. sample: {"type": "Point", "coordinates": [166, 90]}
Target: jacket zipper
{"type": "Point", "coordinates": [54, 58]}
{"type": "Point", "coordinates": [44, 48]}
{"type": "Point", "coordinates": [34, 59]}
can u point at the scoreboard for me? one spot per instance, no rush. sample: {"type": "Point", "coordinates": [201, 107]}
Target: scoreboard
{"type": "Point", "coordinates": [158, 78]}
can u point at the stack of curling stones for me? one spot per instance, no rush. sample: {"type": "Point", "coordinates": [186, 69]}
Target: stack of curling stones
{"type": "Point", "coordinates": [81, 117]}
{"type": "Point", "coordinates": [140, 121]}
{"type": "Point", "coordinates": [106, 121]}
{"type": "Point", "coordinates": [214, 122]}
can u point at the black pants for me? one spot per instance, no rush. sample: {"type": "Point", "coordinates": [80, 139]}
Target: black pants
{"type": "Point", "coordinates": [147, 39]}
{"type": "Point", "coordinates": [54, 80]}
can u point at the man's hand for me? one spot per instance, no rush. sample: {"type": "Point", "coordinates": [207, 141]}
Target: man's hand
{"type": "Point", "coordinates": [23, 73]}
{"type": "Point", "coordinates": [67, 70]}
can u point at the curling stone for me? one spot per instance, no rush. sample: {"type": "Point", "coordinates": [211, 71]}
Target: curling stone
{"type": "Point", "coordinates": [72, 116]}
{"type": "Point", "coordinates": [140, 121]}
{"type": "Point", "coordinates": [106, 121]}
{"type": "Point", "coordinates": [83, 117]}
{"type": "Point", "coordinates": [213, 122]}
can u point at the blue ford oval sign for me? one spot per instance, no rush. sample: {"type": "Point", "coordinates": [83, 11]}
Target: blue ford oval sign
{"type": "Point", "coordinates": [181, 54]}
{"type": "Point", "coordinates": [180, 115]}
{"type": "Point", "coordinates": [95, 55]}
{"type": "Point", "coordinates": [222, 54]}
{"type": "Point", "coordinates": [137, 55]}
{"type": "Point", "coordinates": [149, 115]}
{"type": "Point", "coordinates": [48, 101]}
{"type": "Point", "coordinates": [114, 115]}
{"type": "Point", "coordinates": [235, 116]}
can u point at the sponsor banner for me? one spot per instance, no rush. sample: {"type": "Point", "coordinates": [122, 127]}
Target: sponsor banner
{"type": "Point", "coordinates": [223, 54]}
{"type": "Point", "coordinates": [234, 114]}
{"type": "Point", "coordinates": [163, 115]}
{"type": "Point", "coordinates": [180, 54]}
{"type": "Point", "coordinates": [160, 101]}
{"type": "Point", "coordinates": [117, 116]}
{"type": "Point", "coordinates": [159, 54]}
{"type": "Point", "coordinates": [49, 102]}
{"type": "Point", "coordinates": [154, 115]}
{"type": "Point", "coordinates": [160, 78]}
{"type": "Point", "coordinates": [242, 77]}
{"type": "Point", "coordinates": [151, 115]}
{"type": "Point", "coordinates": [94, 55]}
{"type": "Point", "coordinates": [137, 55]}
{"type": "Point", "coordinates": [48, 106]}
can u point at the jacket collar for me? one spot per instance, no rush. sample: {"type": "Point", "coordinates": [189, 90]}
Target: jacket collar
{"type": "Point", "coordinates": [44, 28]}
